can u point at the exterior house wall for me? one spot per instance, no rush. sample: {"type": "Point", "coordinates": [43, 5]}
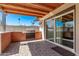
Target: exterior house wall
{"type": "Point", "coordinates": [51, 14]}
{"type": "Point", "coordinates": [77, 29]}
{"type": "Point", "coordinates": [60, 9]}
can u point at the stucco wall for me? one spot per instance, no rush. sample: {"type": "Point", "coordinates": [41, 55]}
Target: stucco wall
{"type": "Point", "coordinates": [77, 29]}
{"type": "Point", "coordinates": [60, 9]}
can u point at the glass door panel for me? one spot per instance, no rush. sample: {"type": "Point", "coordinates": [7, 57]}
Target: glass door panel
{"type": "Point", "coordinates": [68, 30]}
{"type": "Point", "coordinates": [50, 30]}
{"type": "Point", "coordinates": [59, 30]}
{"type": "Point", "coordinates": [64, 30]}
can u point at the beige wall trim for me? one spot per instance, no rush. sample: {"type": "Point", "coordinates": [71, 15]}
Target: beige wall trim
{"type": "Point", "coordinates": [61, 8]}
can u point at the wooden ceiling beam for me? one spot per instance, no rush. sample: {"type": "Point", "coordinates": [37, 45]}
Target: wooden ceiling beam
{"type": "Point", "coordinates": [41, 6]}
{"type": "Point", "coordinates": [22, 8]}
{"type": "Point", "coordinates": [32, 6]}
{"type": "Point", "coordinates": [22, 13]}
{"type": "Point", "coordinates": [6, 8]}
{"type": "Point", "coordinates": [51, 5]}
{"type": "Point", "coordinates": [46, 5]}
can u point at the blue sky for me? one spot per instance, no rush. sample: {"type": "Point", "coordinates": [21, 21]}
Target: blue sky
{"type": "Point", "coordinates": [12, 19]}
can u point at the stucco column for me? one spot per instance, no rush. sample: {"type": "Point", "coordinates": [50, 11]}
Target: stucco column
{"type": "Point", "coordinates": [4, 21]}
{"type": "Point", "coordinates": [42, 29]}
{"type": "Point", "coordinates": [77, 29]}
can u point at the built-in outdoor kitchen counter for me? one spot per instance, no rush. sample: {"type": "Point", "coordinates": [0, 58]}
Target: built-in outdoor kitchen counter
{"type": "Point", "coordinates": [33, 35]}
{"type": "Point", "coordinates": [22, 36]}
{"type": "Point", "coordinates": [26, 36]}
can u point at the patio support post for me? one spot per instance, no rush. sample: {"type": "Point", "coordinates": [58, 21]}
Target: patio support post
{"type": "Point", "coordinates": [42, 29]}
{"type": "Point", "coordinates": [4, 21]}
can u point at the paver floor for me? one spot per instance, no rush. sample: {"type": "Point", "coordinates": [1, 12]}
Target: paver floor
{"type": "Point", "coordinates": [39, 48]}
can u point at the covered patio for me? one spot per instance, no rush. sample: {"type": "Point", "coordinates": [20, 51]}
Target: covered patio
{"type": "Point", "coordinates": [35, 41]}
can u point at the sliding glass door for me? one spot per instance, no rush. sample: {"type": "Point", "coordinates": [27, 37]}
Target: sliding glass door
{"type": "Point", "coordinates": [61, 30]}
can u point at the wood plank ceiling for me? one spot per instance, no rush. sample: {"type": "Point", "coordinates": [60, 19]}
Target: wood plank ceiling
{"type": "Point", "coordinates": [31, 9]}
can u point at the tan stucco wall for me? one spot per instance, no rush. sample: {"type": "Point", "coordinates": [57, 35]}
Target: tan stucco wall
{"type": "Point", "coordinates": [77, 29]}
{"type": "Point", "coordinates": [42, 29]}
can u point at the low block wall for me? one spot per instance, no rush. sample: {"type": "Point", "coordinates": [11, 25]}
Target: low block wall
{"type": "Point", "coordinates": [5, 40]}
{"type": "Point", "coordinates": [18, 36]}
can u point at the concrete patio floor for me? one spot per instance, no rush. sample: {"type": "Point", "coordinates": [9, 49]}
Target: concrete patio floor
{"type": "Point", "coordinates": [38, 48]}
